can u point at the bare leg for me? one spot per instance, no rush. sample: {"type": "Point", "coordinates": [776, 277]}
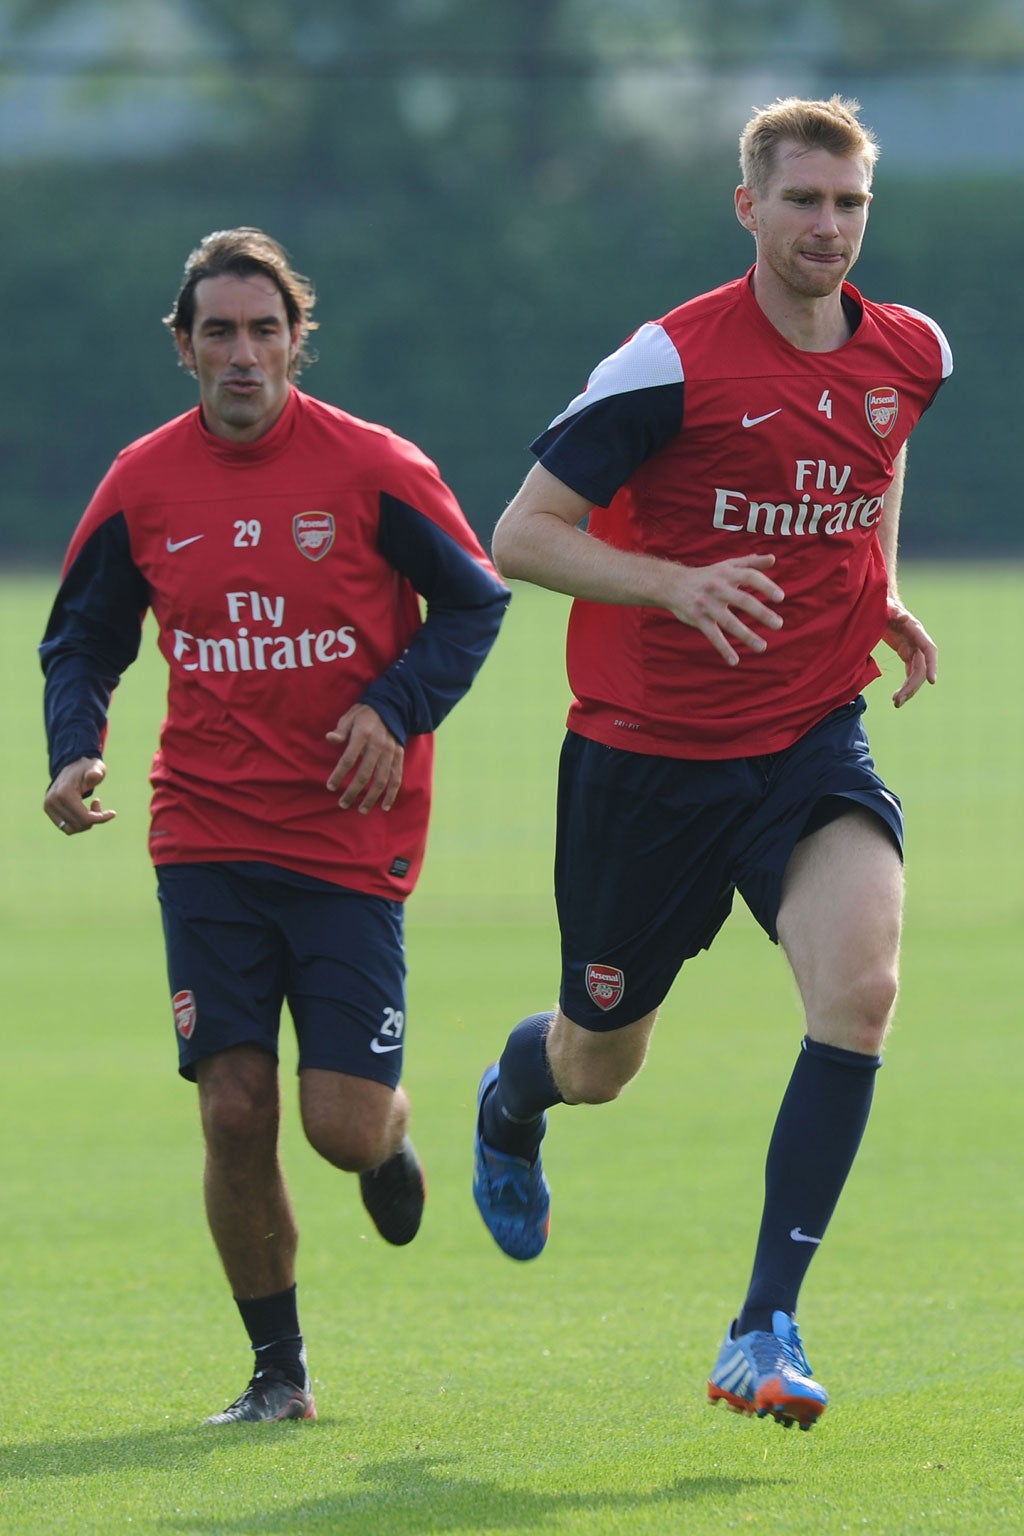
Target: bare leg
{"type": "Point", "coordinates": [354, 1123]}
{"type": "Point", "coordinates": [840, 926]}
{"type": "Point", "coordinates": [362, 1126]}
{"type": "Point", "coordinates": [247, 1202]}
{"type": "Point", "coordinates": [592, 1067]}
{"type": "Point", "coordinates": [839, 923]}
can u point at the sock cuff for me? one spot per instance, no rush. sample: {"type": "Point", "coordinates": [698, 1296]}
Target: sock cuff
{"type": "Point", "coordinates": [269, 1319]}
{"type": "Point", "coordinates": [856, 1060]}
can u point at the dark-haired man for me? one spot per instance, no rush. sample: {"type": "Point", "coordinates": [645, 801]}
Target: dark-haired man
{"type": "Point", "coordinates": [740, 462]}
{"type": "Point", "coordinates": [282, 546]}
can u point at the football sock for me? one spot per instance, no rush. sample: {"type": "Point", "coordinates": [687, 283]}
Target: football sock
{"type": "Point", "coordinates": [272, 1323]}
{"type": "Point", "coordinates": [512, 1118]}
{"type": "Point", "coordinates": [820, 1124]}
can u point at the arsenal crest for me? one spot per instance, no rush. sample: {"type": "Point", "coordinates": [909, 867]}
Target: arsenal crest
{"type": "Point", "coordinates": [606, 984]}
{"type": "Point", "coordinates": [882, 406]}
{"type": "Point", "coordinates": [184, 1005]}
{"type": "Point", "coordinates": [313, 533]}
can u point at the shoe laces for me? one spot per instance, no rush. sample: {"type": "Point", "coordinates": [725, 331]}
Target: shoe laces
{"type": "Point", "coordinates": [510, 1179]}
{"type": "Point", "coordinates": [269, 1376]}
{"type": "Point", "coordinates": [794, 1348]}
{"type": "Point", "coordinates": [769, 1349]}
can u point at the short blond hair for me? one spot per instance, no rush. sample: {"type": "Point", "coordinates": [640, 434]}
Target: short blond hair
{"type": "Point", "coordinates": [832, 125]}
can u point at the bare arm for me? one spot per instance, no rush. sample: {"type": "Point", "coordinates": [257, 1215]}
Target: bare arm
{"type": "Point", "coordinates": [889, 527]}
{"type": "Point", "coordinates": [905, 634]}
{"type": "Point", "coordinates": [538, 539]}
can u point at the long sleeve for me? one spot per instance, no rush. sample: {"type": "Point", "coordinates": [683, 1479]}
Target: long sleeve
{"type": "Point", "coordinates": [93, 634]}
{"type": "Point", "coordinates": [466, 602]}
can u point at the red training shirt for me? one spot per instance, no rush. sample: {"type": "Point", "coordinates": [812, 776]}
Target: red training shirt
{"type": "Point", "coordinates": [284, 576]}
{"type": "Point", "coordinates": [708, 435]}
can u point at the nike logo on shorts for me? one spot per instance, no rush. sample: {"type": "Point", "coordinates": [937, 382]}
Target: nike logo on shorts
{"type": "Point", "coordinates": [380, 1046]}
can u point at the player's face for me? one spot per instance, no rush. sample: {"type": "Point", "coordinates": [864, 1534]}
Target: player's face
{"type": "Point", "coordinates": [809, 220]}
{"type": "Point", "coordinates": [241, 351]}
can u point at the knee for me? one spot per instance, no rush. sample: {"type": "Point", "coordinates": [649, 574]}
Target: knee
{"type": "Point", "coordinates": [866, 1008]}
{"type": "Point", "coordinates": [352, 1148]}
{"type": "Point", "coordinates": [594, 1074]}
{"type": "Point", "coordinates": [239, 1115]}
{"type": "Point", "coordinates": [593, 1067]}
{"type": "Point", "coordinates": [355, 1131]}
{"type": "Point", "coordinates": [592, 1088]}
{"type": "Point", "coordinates": [877, 998]}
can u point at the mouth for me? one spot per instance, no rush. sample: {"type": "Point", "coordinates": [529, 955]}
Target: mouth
{"type": "Point", "coordinates": [242, 386]}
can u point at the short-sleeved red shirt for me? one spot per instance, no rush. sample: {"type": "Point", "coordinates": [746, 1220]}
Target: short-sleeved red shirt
{"type": "Point", "coordinates": [708, 435]}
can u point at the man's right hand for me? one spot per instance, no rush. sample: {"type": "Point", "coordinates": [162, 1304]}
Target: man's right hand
{"type": "Point", "coordinates": [716, 599]}
{"type": "Point", "coordinates": [538, 538]}
{"type": "Point", "coordinates": [65, 800]}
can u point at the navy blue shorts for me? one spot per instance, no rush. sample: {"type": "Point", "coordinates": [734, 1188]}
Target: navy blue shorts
{"type": "Point", "coordinates": [243, 939]}
{"type": "Point", "coordinates": [650, 851]}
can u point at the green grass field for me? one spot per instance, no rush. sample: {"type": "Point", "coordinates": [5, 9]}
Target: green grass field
{"type": "Point", "coordinates": [460, 1393]}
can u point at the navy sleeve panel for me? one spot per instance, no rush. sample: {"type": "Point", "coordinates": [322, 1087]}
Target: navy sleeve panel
{"type": "Point", "coordinates": [466, 603]}
{"type": "Point", "coordinates": [93, 634]}
{"type": "Point", "coordinates": [931, 398]}
{"type": "Point", "coordinates": [595, 449]}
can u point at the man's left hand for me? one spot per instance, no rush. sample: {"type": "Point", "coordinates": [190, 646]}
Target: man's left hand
{"type": "Point", "coordinates": [916, 649]}
{"type": "Point", "coordinates": [372, 756]}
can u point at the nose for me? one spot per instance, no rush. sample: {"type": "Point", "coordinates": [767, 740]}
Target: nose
{"type": "Point", "coordinates": [826, 225]}
{"type": "Point", "coordinates": [243, 353]}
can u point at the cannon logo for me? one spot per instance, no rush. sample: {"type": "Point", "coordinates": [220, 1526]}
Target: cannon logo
{"type": "Point", "coordinates": [882, 406]}
{"type": "Point", "coordinates": [313, 533]}
{"type": "Point", "coordinates": [184, 1005]}
{"type": "Point", "coordinates": [606, 984]}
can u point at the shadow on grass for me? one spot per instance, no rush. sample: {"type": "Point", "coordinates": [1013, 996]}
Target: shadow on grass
{"type": "Point", "coordinates": [413, 1494]}
{"type": "Point", "coordinates": [408, 1494]}
{"type": "Point", "coordinates": [148, 1450]}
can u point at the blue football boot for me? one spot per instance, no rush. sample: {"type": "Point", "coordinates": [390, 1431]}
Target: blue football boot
{"type": "Point", "coordinates": [768, 1373]}
{"type": "Point", "coordinates": [512, 1195]}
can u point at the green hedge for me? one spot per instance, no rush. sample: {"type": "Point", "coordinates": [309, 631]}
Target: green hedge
{"type": "Point", "coordinates": [463, 302]}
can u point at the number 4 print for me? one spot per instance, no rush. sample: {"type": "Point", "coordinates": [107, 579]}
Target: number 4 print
{"type": "Point", "coordinates": [825, 403]}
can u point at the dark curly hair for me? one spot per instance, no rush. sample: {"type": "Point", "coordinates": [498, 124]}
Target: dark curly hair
{"type": "Point", "coordinates": [244, 252]}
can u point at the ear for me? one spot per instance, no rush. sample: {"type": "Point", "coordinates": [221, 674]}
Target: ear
{"type": "Point", "coordinates": [745, 208]}
{"type": "Point", "coordinates": [183, 342]}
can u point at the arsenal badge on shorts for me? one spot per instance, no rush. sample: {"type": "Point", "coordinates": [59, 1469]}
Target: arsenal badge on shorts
{"type": "Point", "coordinates": [184, 1005]}
{"type": "Point", "coordinates": [313, 533]}
{"type": "Point", "coordinates": [606, 984]}
{"type": "Point", "coordinates": [882, 406]}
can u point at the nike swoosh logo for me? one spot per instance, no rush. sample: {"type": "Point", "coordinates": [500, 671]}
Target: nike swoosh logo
{"type": "Point", "coordinates": [801, 1237]}
{"type": "Point", "coordinates": [380, 1047]}
{"type": "Point", "coordinates": [173, 544]}
{"type": "Point", "coordinates": [755, 421]}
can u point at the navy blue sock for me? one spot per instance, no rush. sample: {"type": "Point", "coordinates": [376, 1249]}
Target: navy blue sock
{"type": "Point", "coordinates": [272, 1323]}
{"type": "Point", "coordinates": [820, 1124]}
{"type": "Point", "coordinates": [512, 1118]}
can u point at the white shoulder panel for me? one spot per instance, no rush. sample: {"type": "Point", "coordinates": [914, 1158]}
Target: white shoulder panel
{"type": "Point", "coordinates": [944, 347]}
{"type": "Point", "coordinates": [648, 359]}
